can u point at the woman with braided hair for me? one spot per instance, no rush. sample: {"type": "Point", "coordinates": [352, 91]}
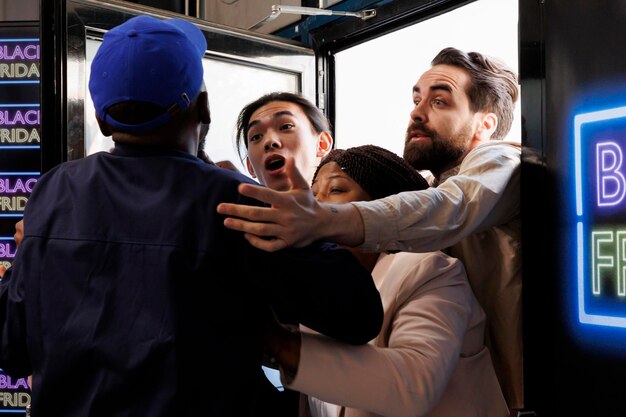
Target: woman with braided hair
{"type": "Point", "coordinates": [429, 358]}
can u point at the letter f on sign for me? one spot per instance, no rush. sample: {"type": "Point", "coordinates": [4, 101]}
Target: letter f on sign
{"type": "Point", "coordinates": [611, 184]}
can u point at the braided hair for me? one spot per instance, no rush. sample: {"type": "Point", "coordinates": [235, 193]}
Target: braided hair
{"type": "Point", "coordinates": [378, 171]}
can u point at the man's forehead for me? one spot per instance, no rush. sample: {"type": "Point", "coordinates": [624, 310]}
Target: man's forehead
{"type": "Point", "coordinates": [274, 107]}
{"type": "Point", "coordinates": [443, 76]}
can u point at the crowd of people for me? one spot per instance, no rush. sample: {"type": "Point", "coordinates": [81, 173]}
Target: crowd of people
{"type": "Point", "coordinates": [157, 282]}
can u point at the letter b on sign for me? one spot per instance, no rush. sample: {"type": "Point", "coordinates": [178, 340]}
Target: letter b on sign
{"type": "Point", "coordinates": [611, 183]}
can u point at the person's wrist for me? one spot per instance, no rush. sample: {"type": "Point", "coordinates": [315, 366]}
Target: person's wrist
{"type": "Point", "coordinates": [288, 353]}
{"type": "Point", "coordinates": [340, 223]}
{"type": "Point", "coordinates": [326, 218]}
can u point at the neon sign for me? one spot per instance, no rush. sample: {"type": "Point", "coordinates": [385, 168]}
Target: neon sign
{"type": "Point", "coordinates": [7, 251]}
{"type": "Point", "coordinates": [19, 60]}
{"type": "Point", "coordinates": [20, 157]}
{"type": "Point", "coordinates": [19, 126]}
{"type": "Point", "coordinates": [600, 181]}
{"type": "Point", "coordinates": [20, 141]}
{"type": "Point", "coordinates": [15, 188]}
{"type": "Point", "coordinates": [14, 191]}
{"type": "Point", "coordinates": [20, 123]}
{"type": "Point", "coordinates": [14, 392]}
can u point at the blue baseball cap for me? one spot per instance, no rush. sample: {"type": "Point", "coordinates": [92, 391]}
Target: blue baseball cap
{"type": "Point", "coordinates": [147, 60]}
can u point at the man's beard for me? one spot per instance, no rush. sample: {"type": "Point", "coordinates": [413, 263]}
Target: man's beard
{"type": "Point", "coordinates": [437, 153]}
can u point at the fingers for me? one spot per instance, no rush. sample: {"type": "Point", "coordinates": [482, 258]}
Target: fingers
{"type": "Point", "coordinates": [253, 213]}
{"type": "Point", "coordinates": [264, 194]}
{"type": "Point", "coordinates": [294, 176]}
{"type": "Point", "coordinates": [259, 235]}
{"type": "Point", "coordinates": [242, 225]}
{"type": "Point", "coordinates": [268, 245]}
{"type": "Point", "coordinates": [276, 227]}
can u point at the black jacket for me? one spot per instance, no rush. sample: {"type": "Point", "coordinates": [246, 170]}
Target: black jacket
{"type": "Point", "coordinates": [128, 297]}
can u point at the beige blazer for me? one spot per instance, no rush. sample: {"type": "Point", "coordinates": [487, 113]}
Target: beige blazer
{"type": "Point", "coordinates": [428, 360]}
{"type": "Point", "coordinates": [476, 211]}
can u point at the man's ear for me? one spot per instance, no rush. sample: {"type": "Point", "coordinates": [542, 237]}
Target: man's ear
{"type": "Point", "coordinates": [487, 125]}
{"type": "Point", "coordinates": [104, 127]}
{"type": "Point", "coordinates": [324, 144]}
{"type": "Point", "coordinates": [203, 107]}
{"type": "Point", "coordinates": [250, 169]}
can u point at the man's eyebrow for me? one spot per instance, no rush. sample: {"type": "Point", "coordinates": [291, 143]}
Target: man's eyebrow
{"type": "Point", "coordinates": [274, 116]}
{"type": "Point", "coordinates": [435, 87]}
{"type": "Point", "coordinates": [444, 87]}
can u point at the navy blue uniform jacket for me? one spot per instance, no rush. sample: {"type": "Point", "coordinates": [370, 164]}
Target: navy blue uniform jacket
{"type": "Point", "coordinates": [128, 296]}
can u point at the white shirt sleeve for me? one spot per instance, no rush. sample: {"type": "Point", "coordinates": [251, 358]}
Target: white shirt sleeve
{"type": "Point", "coordinates": [484, 193]}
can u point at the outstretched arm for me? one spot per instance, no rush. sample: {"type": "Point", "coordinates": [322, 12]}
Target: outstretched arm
{"type": "Point", "coordinates": [295, 218]}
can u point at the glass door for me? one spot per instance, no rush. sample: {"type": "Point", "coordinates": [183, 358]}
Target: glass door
{"type": "Point", "coordinates": [240, 66]}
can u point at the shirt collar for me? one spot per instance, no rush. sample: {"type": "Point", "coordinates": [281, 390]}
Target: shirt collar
{"type": "Point", "coordinates": [124, 149]}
